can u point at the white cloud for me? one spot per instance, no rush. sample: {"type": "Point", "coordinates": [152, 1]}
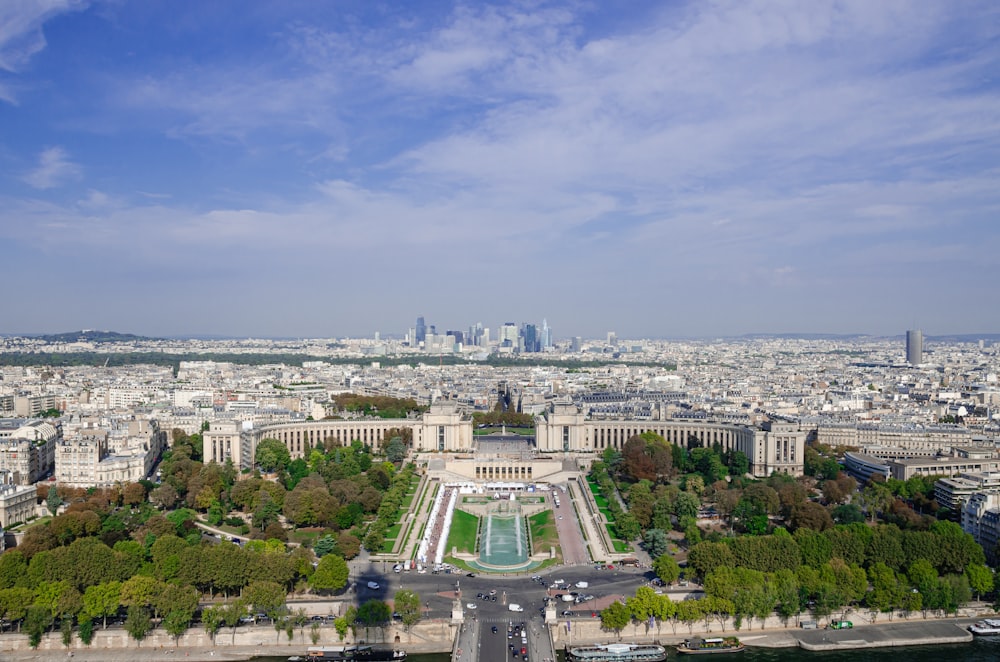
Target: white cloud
{"type": "Point", "coordinates": [54, 168]}
{"type": "Point", "coordinates": [21, 34]}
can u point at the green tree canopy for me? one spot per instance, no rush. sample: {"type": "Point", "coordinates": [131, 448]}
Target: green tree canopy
{"type": "Point", "coordinates": [331, 574]}
{"type": "Point", "coordinates": [407, 605]}
{"type": "Point", "coordinates": [272, 455]}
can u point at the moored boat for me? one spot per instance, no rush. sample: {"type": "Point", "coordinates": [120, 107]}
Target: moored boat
{"type": "Point", "coordinates": [353, 653]}
{"type": "Point", "coordinates": [711, 645]}
{"type": "Point", "coordinates": [617, 653]}
{"type": "Point", "coordinates": [987, 626]}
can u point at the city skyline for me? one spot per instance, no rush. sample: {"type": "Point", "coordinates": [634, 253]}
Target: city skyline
{"type": "Point", "coordinates": [684, 171]}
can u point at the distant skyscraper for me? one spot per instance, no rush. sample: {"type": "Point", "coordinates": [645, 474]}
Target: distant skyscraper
{"type": "Point", "coordinates": [546, 339]}
{"type": "Point", "coordinates": [421, 330]}
{"type": "Point", "coordinates": [531, 339]}
{"type": "Point", "coordinates": [576, 344]}
{"type": "Point", "coordinates": [914, 347]}
{"type": "Point", "coordinates": [508, 335]}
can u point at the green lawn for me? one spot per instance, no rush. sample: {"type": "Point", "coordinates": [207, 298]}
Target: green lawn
{"type": "Point", "coordinates": [393, 531]}
{"type": "Point", "coordinates": [462, 536]}
{"type": "Point", "coordinates": [496, 430]}
{"type": "Point", "coordinates": [305, 536]}
{"type": "Point", "coordinates": [620, 545]}
{"type": "Point", "coordinates": [543, 532]}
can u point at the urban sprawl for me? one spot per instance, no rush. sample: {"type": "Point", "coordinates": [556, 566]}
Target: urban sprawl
{"type": "Point", "coordinates": [767, 478]}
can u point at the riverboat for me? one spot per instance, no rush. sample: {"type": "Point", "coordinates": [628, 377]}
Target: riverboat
{"type": "Point", "coordinates": [987, 626]}
{"type": "Point", "coordinates": [617, 653]}
{"type": "Point", "coordinates": [353, 654]}
{"type": "Point", "coordinates": [711, 645]}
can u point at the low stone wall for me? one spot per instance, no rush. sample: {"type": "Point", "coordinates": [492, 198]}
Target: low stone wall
{"type": "Point", "coordinates": [582, 631]}
{"type": "Point", "coordinates": [425, 637]}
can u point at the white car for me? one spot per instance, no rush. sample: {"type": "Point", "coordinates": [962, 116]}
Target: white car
{"type": "Point", "coordinates": [373, 586]}
{"type": "Point", "coordinates": [515, 607]}
{"type": "Point", "coordinates": [470, 605]}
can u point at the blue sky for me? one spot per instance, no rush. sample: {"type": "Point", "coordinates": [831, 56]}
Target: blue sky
{"type": "Point", "coordinates": [660, 169]}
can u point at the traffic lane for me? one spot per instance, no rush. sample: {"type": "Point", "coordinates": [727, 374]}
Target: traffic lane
{"type": "Point", "coordinates": [574, 549]}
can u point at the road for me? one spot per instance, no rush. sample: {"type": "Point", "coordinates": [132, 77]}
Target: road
{"type": "Point", "coordinates": [572, 544]}
{"type": "Point", "coordinates": [438, 592]}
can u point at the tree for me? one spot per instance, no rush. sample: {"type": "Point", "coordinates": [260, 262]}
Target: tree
{"type": "Point", "coordinates": [656, 542]}
{"type": "Point", "coordinates": [641, 502]}
{"type": "Point", "coordinates": [102, 600]}
{"type": "Point", "coordinates": [848, 513]}
{"type": "Point", "coordinates": [231, 614]}
{"type": "Point", "coordinates": [138, 591]}
{"type": "Point", "coordinates": [786, 594]}
{"type": "Point", "coordinates": [667, 568]}
{"type": "Point", "coordinates": [811, 515]}
{"type": "Point", "coordinates": [884, 596]}
{"type": "Point", "coordinates": [53, 501]}
{"type": "Point", "coordinates": [705, 556]}
{"type": "Point", "coordinates": [373, 613]}
{"type": "Point", "coordinates": [133, 494]}
{"type": "Point", "coordinates": [635, 462]}
{"type": "Point", "coordinates": [615, 617]}
{"type": "Point", "coordinates": [331, 574]}
{"type": "Point", "coordinates": [395, 450]}
{"type": "Point", "coordinates": [14, 602]}
{"type": "Point", "coordinates": [272, 455]}
{"type": "Point", "coordinates": [178, 599]}
{"type": "Point", "coordinates": [980, 578]}
{"type": "Point", "coordinates": [739, 464]}
{"type": "Point", "coordinates": [176, 623]}
{"type": "Point", "coordinates": [86, 628]}
{"type": "Point", "coordinates": [689, 612]}
{"type": "Point", "coordinates": [348, 545]}
{"type": "Point", "coordinates": [686, 505]}
{"type": "Point", "coordinates": [212, 619]}
{"type": "Point", "coordinates": [36, 621]}
{"type": "Point", "coordinates": [13, 568]}
{"type": "Point", "coordinates": [138, 623]}
{"type": "Point", "coordinates": [763, 498]}
{"type": "Point", "coordinates": [266, 597]}
{"type": "Point", "coordinates": [407, 605]}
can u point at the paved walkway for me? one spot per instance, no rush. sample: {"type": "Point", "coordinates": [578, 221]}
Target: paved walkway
{"type": "Point", "coordinates": [590, 523]}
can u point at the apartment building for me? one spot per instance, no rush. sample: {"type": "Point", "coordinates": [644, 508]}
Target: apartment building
{"type": "Point", "coordinates": [17, 502]}
{"type": "Point", "coordinates": [29, 451]}
{"type": "Point", "coordinates": [981, 519]}
{"type": "Point", "coordinates": [122, 451]}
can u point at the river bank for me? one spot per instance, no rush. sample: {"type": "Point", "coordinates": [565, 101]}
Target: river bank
{"type": "Point", "coordinates": [439, 636]}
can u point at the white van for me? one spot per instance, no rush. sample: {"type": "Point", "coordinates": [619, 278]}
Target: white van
{"type": "Point", "coordinates": [582, 584]}
{"type": "Point", "coordinates": [373, 586]}
{"type": "Point", "coordinates": [515, 607]}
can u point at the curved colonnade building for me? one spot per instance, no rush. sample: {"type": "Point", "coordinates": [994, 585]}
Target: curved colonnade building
{"type": "Point", "coordinates": [775, 446]}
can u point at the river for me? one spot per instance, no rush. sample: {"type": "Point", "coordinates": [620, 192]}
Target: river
{"type": "Point", "coordinates": [984, 649]}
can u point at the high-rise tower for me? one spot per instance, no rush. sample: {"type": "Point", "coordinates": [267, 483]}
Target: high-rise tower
{"type": "Point", "coordinates": [914, 347]}
{"type": "Point", "coordinates": [421, 330]}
